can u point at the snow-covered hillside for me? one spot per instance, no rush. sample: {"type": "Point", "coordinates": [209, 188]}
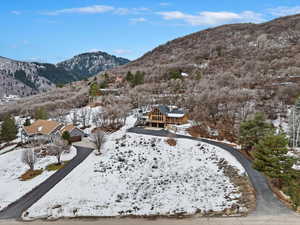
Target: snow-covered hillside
{"type": "Point", "coordinates": [143, 175]}
{"type": "Point", "coordinates": [11, 168]}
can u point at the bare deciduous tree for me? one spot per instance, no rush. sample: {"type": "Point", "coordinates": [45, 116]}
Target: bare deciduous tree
{"type": "Point", "coordinates": [98, 138]}
{"type": "Point", "coordinates": [29, 158]}
{"type": "Point", "coordinates": [57, 147]}
{"type": "Point", "coordinates": [61, 115]}
{"type": "Point", "coordinates": [74, 117]}
{"type": "Point", "coordinates": [85, 115]}
{"type": "Point", "coordinates": [100, 118]}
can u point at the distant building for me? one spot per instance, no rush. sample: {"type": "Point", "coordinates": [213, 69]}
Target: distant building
{"type": "Point", "coordinates": [162, 116]}
{"type": "Point", "coordinates": [110, 91]}
{"type": "Point", "coordinates": [119, 79]}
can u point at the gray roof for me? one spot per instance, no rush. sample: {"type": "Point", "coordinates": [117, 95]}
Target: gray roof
{"type": "Point", "coordinates": [165, 110]}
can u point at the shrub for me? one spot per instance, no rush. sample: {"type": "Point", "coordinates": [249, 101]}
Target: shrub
{"type": "Point", "coordinates": [66, 136]}
{"type": "Point", "coordinates": [55, 166]}
{"type": "Point", "coordinates": [171, 141]}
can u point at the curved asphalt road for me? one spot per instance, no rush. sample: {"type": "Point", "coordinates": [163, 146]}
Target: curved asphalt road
{"type": "Point", "coordinates": [15, 210]}
{"type": "Point", "coordinates": [266, 201]}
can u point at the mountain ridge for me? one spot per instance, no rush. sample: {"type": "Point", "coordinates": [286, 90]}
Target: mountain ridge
{"type": "Point", "coordinates": [230, 43]}
{"type": "Point", "coordinates": [26, 78]}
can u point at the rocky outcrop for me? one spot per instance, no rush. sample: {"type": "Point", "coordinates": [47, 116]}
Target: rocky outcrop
{"type": "Point", "coordinates": [89, 64]}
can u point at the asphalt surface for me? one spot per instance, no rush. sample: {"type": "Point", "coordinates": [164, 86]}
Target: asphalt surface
{"type": "Point", "coordinates": [267, 203]}
{"type": "Point", "coordinates": [249, 220]}
{"type": "Point", "coordinates": [15, 210]}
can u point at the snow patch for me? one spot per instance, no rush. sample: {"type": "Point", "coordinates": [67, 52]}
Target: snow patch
{"type": "Point", "coordinates": [143, 175]}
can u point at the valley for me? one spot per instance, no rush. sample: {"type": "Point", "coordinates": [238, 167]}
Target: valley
{"type": "Point", "coordinates": [202, 129]}
{"type": "Point", "coordinates": [30, 78]}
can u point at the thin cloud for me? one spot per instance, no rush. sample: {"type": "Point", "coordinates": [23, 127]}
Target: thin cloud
{"type": "Point", "coordinates": [138, 20]}
{"type": "Point", "coordinates": [284, 11]}
{"type": "Point", "coordinates": [207, 18]}
{"type": "Point", "coordinates": [15, 12]}
{"type": "Point", "coordinates": [95, 9]}
{"type": "Point", "coordinates": [94, 50]}
{"type": "Point", "coordinates": [164, 3]}
{"type": "Point", "coordinates": [134, 11]}
{"type": "Point", "coordinates": [122, 52]}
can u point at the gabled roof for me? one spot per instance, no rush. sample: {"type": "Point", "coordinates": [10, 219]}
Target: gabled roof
{"type": "Point", "coordinates": [68, 128]}
{"type": "Point", "coordinates": [44, 127]}
{"type": "Point", "coordinates": [163, 109]}
{"type": "Point", "coordinates": [171, 111]}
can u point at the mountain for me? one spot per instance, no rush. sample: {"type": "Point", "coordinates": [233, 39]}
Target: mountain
{"type": "Point", "coordinates": [27, 78]}
{"type": "Point", "coordinates": [226, 73]}
{"type": "Point", "coordinates": [89, 64]}
{"type": "Point", "coordinates": [267, 49]}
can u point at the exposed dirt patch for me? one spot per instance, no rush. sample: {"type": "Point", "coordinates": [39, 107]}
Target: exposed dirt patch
{"type": "Point", "coordinates": [106, 129]}
{"type": "Point", "coordinates": [218, 132]}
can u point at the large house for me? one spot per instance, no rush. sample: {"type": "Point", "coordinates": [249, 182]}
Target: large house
{"type": "Point", "coordinates": [162, 116]}
{"type": "Point", "coordinates": [48, 129]}
{"type": "Point", "coordinates": [41, 129]}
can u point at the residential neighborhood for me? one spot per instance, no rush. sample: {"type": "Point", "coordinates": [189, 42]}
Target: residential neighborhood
{"type": "Point", "coordinates": [149, 112]}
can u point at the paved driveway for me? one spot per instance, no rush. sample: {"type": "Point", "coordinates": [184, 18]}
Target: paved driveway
{"type": "Point", "coordinates": [267, 203]}
{"type": "Point", "coordinates": [15, 209]}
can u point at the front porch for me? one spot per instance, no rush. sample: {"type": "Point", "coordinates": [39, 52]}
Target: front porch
{"type": "Point", "coordinates": [155, 124]}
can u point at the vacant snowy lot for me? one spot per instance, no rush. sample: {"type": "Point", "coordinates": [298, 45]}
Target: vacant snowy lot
{"type": "Point", "coordinates": [11, 168]}
{"type": "Point", "coordinates": [141, 175]}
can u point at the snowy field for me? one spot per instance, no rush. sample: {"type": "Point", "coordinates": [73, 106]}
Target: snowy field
{"type": "Point", "coordinates": [143, 175]}
{"type": "Point", "coordinates": [11, 168]}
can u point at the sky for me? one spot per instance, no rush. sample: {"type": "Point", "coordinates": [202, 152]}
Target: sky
{"type": "Point", "coordinates": [55, 30]}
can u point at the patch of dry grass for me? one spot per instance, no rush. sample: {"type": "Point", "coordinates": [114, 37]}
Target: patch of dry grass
{"type": "Point", "coordinates": [30, 174]}
{"type": "Point", "coordinates": [55, 166]}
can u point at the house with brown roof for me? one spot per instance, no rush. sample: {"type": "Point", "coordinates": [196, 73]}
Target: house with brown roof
{"type": "Point", "coordinates": [41, 129]}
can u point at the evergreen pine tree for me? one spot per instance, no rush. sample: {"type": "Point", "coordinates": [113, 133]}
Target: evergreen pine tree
{"type": "Point", "coordinates": [8, 129]}
{"type": "Point", "coordinates": [174, 75]}
{"type": "Point", "coordinates": [27, 122]}
{"type": "Point", "coordinates": [271, 157]}
{"type": "Point", "coordinates": [129, 77]}
{"type": "Point", "coordinates": [41, 114]}
{"type": "Point", "coordinates": [294, 192]}
{"type": "Point", "coordinates": [138, 78]}
{"type": "Point", "coordinates": [66, 136]}
{"type": "Point", "coordinates": [93, 92]}
{"type": "Point", "coordinates": [251, 131]}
